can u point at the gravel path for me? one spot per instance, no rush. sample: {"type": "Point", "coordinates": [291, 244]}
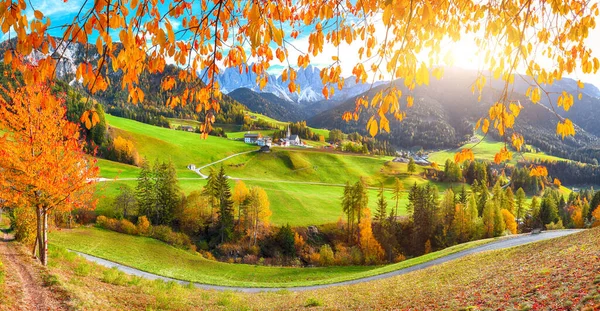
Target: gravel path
{"type": "Point", "coordinates": [500, 244]}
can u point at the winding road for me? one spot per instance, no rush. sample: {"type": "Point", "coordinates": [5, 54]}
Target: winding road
{"type": "Point", "coordinates": [514, 241]}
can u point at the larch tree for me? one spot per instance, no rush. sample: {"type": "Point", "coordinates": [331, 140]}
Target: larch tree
{"type": "Point", "coordinates": [240, 197]}
{"type": "Point", "coordinates": [258, 212]}
{"type": "Point", "coordinates": [510, 200]}
{"type": "Point", "coordinates": [397, 193]}
{"type": "Point", "coordinates": [370, 247]}
{"type": "Point", "coordinates": [381, 211]}
{"type": "Point", "coordinates": [42, 157]}
{"type": "Point", "coordinates": [348, 209]}
{"type": "Point", "coordinates": [520, 203]}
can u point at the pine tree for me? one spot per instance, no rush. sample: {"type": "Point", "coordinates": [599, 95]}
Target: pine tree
{"type": "Point", "coordinates": [381, 212]}
{"type": "Point", "coordinates": [488, 219]}
{"type": "Point", "coordinates": [483, 199]}
{"type": "Point", "coordinates": [412, 166]}
{"type": "Point", "coordinates": [167, 193]}
{"type": "Point", "coordinates": [225, 211]}
{"type": "Point", "coordinates": [463, 196]}
{"type": "Point", "coordinates": [548, 210]}
{"type": "Point", "coordinates": [520, 203]}
{"type": "Point", "coordinates": [473, 215]}
{"type": "Point", "coordinates": [210, 191]}
{"type": "Point", "coordinates": [146, 196]}
{"type": "Point", "coordinates": [499, 225]}
{"type": "Point", "coordinates": [347, 208]}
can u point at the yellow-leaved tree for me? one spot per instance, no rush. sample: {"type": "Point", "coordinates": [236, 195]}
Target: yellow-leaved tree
{"type": "Point", "coordinates": [42, 159]}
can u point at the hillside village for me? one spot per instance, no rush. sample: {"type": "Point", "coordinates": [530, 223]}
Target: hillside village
{"type": "Point", "coordinates": [260, 140]}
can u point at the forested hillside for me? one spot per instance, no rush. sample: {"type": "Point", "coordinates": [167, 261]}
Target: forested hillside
{"type": "Point", "coordinates": [445, 112]}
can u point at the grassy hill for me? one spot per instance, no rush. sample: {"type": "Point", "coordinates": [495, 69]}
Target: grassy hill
{"type": "Point", "coordinates": [558, 274]}
{"type": "Point", "coordinates": [182, 148]}
{"type": "Point", "coordinates": [157, 257]}
{"type": "Point", "coordinates": [284, 173]}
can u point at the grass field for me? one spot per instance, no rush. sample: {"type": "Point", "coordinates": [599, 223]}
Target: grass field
{"type": "Point", "coordinates": [182, 148]}
{"type": "Point", "coordinates": [293, 204]}
{"type": "Point", "coordinates": [486, 150]}
{"type": "Point", "coordinates": [157, 257]}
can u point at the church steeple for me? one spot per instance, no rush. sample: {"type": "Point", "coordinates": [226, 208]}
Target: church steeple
{"type": "Point", "coordinates": [289, 133]}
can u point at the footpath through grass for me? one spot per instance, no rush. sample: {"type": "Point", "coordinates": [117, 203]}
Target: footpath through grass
{"type": "Point", "coordinates": [156, 257]}
{"type": "Point", "coordinates": [181, 147]}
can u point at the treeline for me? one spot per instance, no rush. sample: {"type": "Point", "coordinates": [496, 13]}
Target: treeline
{"type": "Point", "coordinates": [573, 173]}
{"type": "Point", "coordinates": [362, 144]}
{"type": "Point", "coordinates": [486, 173]}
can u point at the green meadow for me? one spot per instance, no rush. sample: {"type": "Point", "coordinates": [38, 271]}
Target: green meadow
{"type": "Point", "coordinates": [160, 258]}
{"type": "Point", "coordinates": [304, 186]}
{"type": "Point", "coordinates": [486, 149]}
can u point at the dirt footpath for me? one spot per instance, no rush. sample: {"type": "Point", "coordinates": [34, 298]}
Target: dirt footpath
{"type": "Point", "coordinates": [23, 280]}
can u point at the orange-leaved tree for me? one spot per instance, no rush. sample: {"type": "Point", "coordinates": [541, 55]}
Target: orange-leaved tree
{"type": "Point", "coordinates": [42, 160]}
{"type": "Point", "coordinates": [535, 41]}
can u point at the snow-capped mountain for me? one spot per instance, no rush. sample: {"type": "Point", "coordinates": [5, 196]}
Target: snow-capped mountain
{"type": "Point", "coordinates": [69, 56]}
{"type": "Point", "coordinates": [308, 79]}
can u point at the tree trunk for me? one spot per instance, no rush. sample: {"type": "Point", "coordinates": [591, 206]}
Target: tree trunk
{"type": "Point", "coordinates": [44, 250]}
{"type": "Point", "coordinates": [39, 238]}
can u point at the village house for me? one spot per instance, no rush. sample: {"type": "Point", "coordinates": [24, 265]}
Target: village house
{"type": "Point", "coordinates": [265, 141]}
{"type": "Point", "coordinates": [252, 138]}
{"type": "Point", "coordinates": [187, 128]}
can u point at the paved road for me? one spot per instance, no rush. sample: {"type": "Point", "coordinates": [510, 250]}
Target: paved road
{"type": "Point", "coordinates": [500, 244]}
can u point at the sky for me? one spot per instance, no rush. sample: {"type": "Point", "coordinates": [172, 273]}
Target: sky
{"type": "Point", "coordinates": [465, 55]}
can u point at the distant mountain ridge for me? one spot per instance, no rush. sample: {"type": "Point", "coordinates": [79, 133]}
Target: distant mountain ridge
{"type": "Point", "coordinates": [308, 79]}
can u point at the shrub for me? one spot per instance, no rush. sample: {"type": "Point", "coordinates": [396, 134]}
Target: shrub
{"type": "Point", "coordinates": [84, 216]}
{"type": "Point", "coordinates": [82, 269]}
{"type": "Point", "coordinates": [250, 259]}
{"type": "Point", "coordinates": [143, 225]}
{"type": "Point", "coordinates": [125, 226]}
{"type": "Point", "coordinates": [101, 221]}
{"type": "Point", "coordinates": [313, 302]}
{"type": "Point", "coordinates": [314, 258]}
{"type": "Point", "coordinates": [207, 255]}
{"type": "Point", "coordinates": [177, 239]}
{"type": "Point", "coordinates": [557, 226]}
{"type": "Point", "coordinates": [356, 255]}
{"type": "Point", "coordinates": [342, 255]}
{"type": "Point", "coordinates": [202, 245]}
{"type": "Point", "coordinates": [326, 256]}
{"type": "Point", "coordinates": [596, 217]}
{"type": "Point", "coordinates": [114, 276]}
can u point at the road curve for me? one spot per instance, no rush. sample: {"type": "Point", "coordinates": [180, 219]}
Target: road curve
{"type": "Point", "coordinates": [500, 244]}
